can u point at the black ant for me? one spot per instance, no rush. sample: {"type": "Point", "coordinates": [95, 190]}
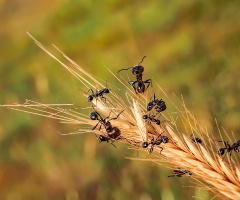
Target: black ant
{"type": "Point", "coordinates": [229, 148]}
{"type": "Point", "coordinates": [99, 93]}
{"type": "Point", "coordinates": [138, 71]}
{"type": "Point", "coordinates": [113, 132]}
{"type": "Point", "coordinates": [196, 140]}
{"type": "Point", "coordinates": [151, 118]}
{"type": "Point", "coordinates": [179, 173]}
{"type": "Point", "coordinates": [164, 140]}
{"type": "Point", "coordinates": [160, 104]}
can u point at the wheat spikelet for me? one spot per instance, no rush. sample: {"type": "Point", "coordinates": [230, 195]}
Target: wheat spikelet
{"type": "Point", "coordinates": [200, 159]}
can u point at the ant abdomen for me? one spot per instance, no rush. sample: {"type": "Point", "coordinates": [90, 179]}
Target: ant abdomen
{"type": "Point", "coordinates": [114, 133]}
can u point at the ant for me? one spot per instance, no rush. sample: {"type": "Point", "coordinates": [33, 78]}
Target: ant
{"type": "Point", "coordinates": [164, 140]}
{"type": "Point", "coordinates": [113, 132]}
{"type": "Point", "coordinates": [160, 104]}
{"type": "Point", "coordinates": [229, 148]}
{"type": "Point", "coordinates": [99, 93]}
{"type": "Point", "coordinates": [178, 172]}
{"type": "Point", "coordinates": [138, 71]}
{"type": "Point", "coordinates": [151, 118]}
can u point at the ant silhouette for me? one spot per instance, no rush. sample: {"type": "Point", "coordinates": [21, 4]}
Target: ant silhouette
{"type": "Point", "coordinates": [158, 141]}
{"type": "Point", "coordinates": [179, 173]}
{"type": "Point", "coordinates": [229, 148]}
{"type": "Point", "coordinates": [113, 132]}
{"type": "Point", "coordinates": [138, 71]}
{"type": "Point", "coordinates": [160, 104]}
{"type": "Point", "coordinates": [99, 93]}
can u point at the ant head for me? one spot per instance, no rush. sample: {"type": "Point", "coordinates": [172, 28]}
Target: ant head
{"type": "Point", "coordinates": [150, 106]}
{"type": "Point", "coordinates": [165, 139]}
{"type": "Point", "coordinates": [93, 115]}
{"type": "Point", "coordinates": [238, 142]}
{"type": "Point", "coordinates": [105, 90]}
{"type": "Point", "coordinates": [145, 117]}
{"type": "Point", "coordinates": [221, 151]}
{"type": "Point", "coordinates": [145, 144]}
{"type": "Point", "coordinates": [158, 122]}
{"type": "Point", "coordinates": [138, 69]}
{"type": "Point", "coordinates": [90, 98]}
{"type": "Point", "coordinates": [161, 106]}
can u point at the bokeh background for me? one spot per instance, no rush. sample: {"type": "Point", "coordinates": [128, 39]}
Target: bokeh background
{"type": "Point", "coordinates": [192, 49]}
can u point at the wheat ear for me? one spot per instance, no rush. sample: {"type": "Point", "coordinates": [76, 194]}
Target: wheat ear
{"type": "Point", "coordinates": [201, 160]}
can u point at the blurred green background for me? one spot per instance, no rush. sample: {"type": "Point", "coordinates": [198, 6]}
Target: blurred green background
{"type": "Point", "coordinates": [192, 48]}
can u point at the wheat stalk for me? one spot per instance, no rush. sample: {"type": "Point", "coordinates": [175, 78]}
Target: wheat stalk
{"type": "Point", "coordinates": [201, 160]}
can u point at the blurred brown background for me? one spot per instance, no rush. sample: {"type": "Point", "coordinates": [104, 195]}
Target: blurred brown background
{"type": "Point", "coordinates": [192, 48]}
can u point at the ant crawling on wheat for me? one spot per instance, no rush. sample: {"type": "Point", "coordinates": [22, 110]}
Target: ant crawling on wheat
{"type": "Point", "coordinates": [158, 141]}
{"type": "Point", "coordinates": [179, 173]}
{"type": "Point", "coordinates": [229, 148]}
{"type": "Point", "coordinates": [99, 93]}
{"type": "Point", "coordinates": [113, 132]}
{"type": "Point", "coordinates": [158, 104]}
{"type": "Point", "coordinates": [151, 118]}
{"type": "Point", "coordinates": [139, 84]}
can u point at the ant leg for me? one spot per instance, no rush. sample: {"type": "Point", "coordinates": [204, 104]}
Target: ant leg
{"type": "Point", "coordinates": [161, 149]}
{"type": "Point", "coordinates": [158, 136]}
{"type": "Point", "coordinates": [113, 144]}
{"type": "Point", "coordinates": [132, 83]}
{"type": "Point", "coordinates": [105, 99]}
{"type": "Point", "coordinates": [95, 125]}
{"type": "Point", "coordinates": [152, 140]}
{"type": "Point", "coordinates": [100, 127]}
{"type": "Point", "coordinates": [125, 139]}
{"type": "Point", "coordinates": [149, 81]}
{"type": "Point", "coordinates": [159, 116]}
{"type": "Point", "coordinates": [151, 150]}
{"type": "Point", "coordinates": [90, 90]}
{"type": "Point", "coordinates": [108, 115]}
{"type": "Point", "coordinates": [116, 116]}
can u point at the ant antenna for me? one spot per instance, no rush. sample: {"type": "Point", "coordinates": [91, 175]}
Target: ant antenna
{"type": "Point", "coordinates": [142, 59]}
{"type": "Point", "coordinates": [115, 89]}
{"type": "Point", "coordinates": [112, 89]}
{"type": "Point", "coordinates": [106, 84]}
{"type": "Point", "coordinates": [124, 69]}
{"type": "Point", "coordinates": [153, 95]}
